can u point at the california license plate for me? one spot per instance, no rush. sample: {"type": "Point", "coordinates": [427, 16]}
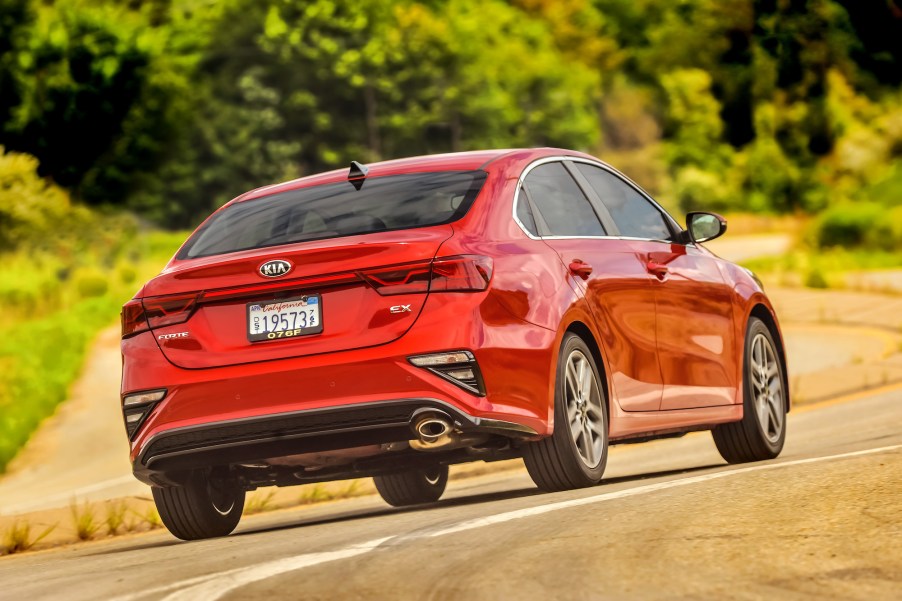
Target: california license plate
{"type": "Point", "coordinates": [288, 318]}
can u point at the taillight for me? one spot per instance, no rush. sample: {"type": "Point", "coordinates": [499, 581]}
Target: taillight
{"type": "Point", "coordinates": [142, 315]}
{"type": "Point", "coordinates": [400, 279]}
{"type": "Point", "coordinates": [461, 274]}
{"type": "Point", "coordinates": [465, 273]}
{"type": "Point", "coordinates": [133, 320]}
{"type": "Point", "coordinates": [169, 310]}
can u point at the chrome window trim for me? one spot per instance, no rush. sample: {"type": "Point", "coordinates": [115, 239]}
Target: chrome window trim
{"type": "Point", "coordinates": [609, 169]}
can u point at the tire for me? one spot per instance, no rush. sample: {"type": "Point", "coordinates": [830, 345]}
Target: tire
{"type": "Point", "coordinates": [202, 508]}
{"type": "Point", "coordinates": [762, 431]}
{"type": "Point", "coordinates": [576, 453]}
{"type": "Point", "coordinates": [413, 487]}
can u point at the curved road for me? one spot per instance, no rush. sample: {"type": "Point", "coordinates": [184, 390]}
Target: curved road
{"type": "Point", "coordinates": [671, 521]}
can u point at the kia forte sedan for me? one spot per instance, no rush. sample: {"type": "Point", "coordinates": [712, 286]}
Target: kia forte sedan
{"type": "Point", "coordinates": [392, 319]}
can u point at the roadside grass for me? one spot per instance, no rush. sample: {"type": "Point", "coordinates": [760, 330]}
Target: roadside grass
{"type": "Point", "coordinates": [150, 517]}
{"type": "Point", "coordinates": [822, 268]}
{"type": "Point", "coordinates": [84, 521]}
{"type": "Point", "coordinates": [17, 537]}
{"type": "Point", "coordinates": [115, 516]}
{"type": "Point", "coordinates": [259, 502]}
{"type": "Point", "coordinates": [317, 493]}
{"type": "Point", "coordinates": [51, 308]}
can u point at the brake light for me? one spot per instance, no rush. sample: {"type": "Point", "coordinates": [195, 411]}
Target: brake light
{"type": "Point", "coordinates": [133, 320]}
{"type": "Point", "coordinates": [400, 279]}
{"type": "Point", "coordinates": [169, 310]}
{"type": "Point", "coordinates": [142, 315]}
{"type": "Point", "coordinates": [465, 273]}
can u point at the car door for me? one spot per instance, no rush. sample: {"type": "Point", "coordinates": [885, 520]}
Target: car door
{"type": "Point", "coordinates": [608, 272]}
{"type": "Point", "coordinates": [694, 320]}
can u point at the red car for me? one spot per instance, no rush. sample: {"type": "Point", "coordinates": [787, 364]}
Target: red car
{"type": "Point", "coordinates": [393, 319]}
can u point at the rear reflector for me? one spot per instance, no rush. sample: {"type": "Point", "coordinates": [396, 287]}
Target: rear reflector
{"type": "Point", "coordinates": [465, 273]}
{"type": "Point", "coordinates": [137, 406]}
{"type": "Point", "coordinates": [458, 367]}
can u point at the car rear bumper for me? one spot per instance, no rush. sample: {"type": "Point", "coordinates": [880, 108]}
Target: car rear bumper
{"type": "Point", "coordinates": [248, 440]}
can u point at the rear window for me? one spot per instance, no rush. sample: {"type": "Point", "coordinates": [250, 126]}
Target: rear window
{"type": "Point", "coordinates": [394, 202]}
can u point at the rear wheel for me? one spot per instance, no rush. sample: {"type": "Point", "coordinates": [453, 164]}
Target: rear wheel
{"type": "Point", "coordinates": [413, 487]}
{"type": "Point", "coordinates": [761, 433]}
{"type": "Point", "coordinates": [576, 453]}
{"type": "Point", "coordinates": [204, 507]}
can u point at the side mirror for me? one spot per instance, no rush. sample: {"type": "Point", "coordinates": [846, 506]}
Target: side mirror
{"type": "Point", "coordinates": [702, 227]}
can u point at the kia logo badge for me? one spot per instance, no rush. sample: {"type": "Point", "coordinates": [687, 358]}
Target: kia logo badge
{"type": "Point", "coordinates": [274, 269]}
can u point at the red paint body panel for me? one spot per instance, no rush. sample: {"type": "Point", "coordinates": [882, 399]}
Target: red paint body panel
{"type": "Point", "coordinates": [671, 346]}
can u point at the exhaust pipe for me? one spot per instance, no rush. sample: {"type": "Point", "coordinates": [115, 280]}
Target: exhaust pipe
{"type": "Point", "coordinates": [436, 433]}
{"type": "Point", "coordinates": [432, 429]}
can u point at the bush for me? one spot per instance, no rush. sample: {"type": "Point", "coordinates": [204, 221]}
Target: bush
{"type": "Point", "coordinates": [29, 206]}
{"type": "Point", "coordinates": [90, 284]}
{"type": "Point", "coordinates": [859, 225]}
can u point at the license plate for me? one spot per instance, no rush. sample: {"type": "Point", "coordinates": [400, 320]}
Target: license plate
{"type": "Point", "coordinates": [288, 318]}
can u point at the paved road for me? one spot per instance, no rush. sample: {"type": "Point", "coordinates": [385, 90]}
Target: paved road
{"type": "Point", "coordinates": [670, 521]}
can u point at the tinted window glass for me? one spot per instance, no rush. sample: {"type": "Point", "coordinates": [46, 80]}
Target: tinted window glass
{"type": "Point", "coordinates": [524, 213]}
{"type": "Point", "coordinates": [634, 215]}
{"type": "Point", "coordinates": [334, 210]}
{"type": "Point", "coordinates": [562, 204]}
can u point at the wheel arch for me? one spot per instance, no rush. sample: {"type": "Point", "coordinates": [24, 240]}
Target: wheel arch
{"type": "Point", "coordinates": [763, 313]}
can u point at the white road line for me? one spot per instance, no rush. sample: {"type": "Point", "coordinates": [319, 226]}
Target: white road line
{"type": "Point", "coordinates": [220, 584]}
{"type": "Point", "coordinates": [217, 585]}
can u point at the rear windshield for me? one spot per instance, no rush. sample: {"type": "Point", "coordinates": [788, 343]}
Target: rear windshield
{"type": "Point", "coordinates": [394, 202]}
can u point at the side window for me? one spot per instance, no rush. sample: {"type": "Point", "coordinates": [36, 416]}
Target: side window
{"type": "Point", "coordinates": [634, 215]}
{"type": "Point", "coordinates": [524, 213]}
{"type": "Point", "coordinates": [563, 206]}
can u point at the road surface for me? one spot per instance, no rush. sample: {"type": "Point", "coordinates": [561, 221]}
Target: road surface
{"type": "Point", "coordinates": [671, 520]}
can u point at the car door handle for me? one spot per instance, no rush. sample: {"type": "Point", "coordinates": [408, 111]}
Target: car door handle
{"type": "Point", "coordinates": [659, 270]}
{"type": "Point", "coordinates": [580, 268]}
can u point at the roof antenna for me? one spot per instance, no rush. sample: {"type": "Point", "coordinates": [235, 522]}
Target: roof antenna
{"type": "Point", "coordinates": [357, 174]}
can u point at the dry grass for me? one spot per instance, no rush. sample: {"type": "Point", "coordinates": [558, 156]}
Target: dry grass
{"type": "Point", "coordinates": [84, 520]}
{"type": "Point", "coordinates": [150, 517]}
{"type": "Point", "coordinates": [315, 494]}
{"type": "Point", "coordinates": [115, 516]}
{"type": "Point", "coordinates": [259, 502]}
{"type": "Point", "coordinates": [320, 494]}
{"type": "Point", "coordinates": [17, 537]}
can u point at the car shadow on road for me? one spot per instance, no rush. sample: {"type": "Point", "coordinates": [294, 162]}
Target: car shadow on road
{"type": "Point", "coordinates": [458, 501]}
{"type": "Point", "coordinates": [661, 474]}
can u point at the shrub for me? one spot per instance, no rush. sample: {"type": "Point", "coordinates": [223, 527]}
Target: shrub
{"type": "Point", "coordinates": [90, 284]}
{"type": "Point", "coordinates": [852, 225]}
{"type": "Point", "coordinates": [29, 205]}
{"type": "Point", "coordinates": [815, 278]}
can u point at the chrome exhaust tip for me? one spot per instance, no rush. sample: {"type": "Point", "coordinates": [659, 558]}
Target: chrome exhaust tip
{"type": "Point", "coordinates": [432, 429]}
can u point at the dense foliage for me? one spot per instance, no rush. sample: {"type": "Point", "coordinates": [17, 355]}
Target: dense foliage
{"type": "Point", "coordinates": [64, 272]}
{"type": "Point", "coordinates": [171, 107]}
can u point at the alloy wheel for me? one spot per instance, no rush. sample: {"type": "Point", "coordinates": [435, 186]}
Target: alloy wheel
{"type": "Point", "coordinates": [767, 387]}
{"type": "Point", "coordinates": [584, 409]}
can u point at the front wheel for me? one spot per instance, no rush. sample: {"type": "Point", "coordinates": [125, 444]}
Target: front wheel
{"type": "Point", "coordinates": [761, 433]}
{"type": "Point", "coordinates": [204, 507]}
{"type": "Point", "coordinates": [576, 453]}
{"type": "Point", "coordinates": [412, 487]}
